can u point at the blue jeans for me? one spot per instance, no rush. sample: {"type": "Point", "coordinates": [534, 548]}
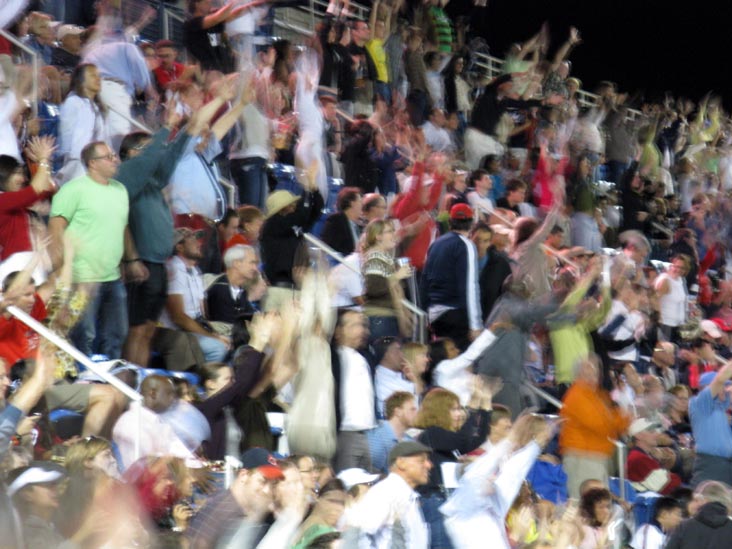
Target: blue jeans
{"type": "Point", "coordinates": [383, 89]}
{"type": "Point", "coordinates": [250, 176]}
{"type": "Point", "coordinates": [439, 538]}
{"type": "Point", "coordinates": [213, 349]}
{"type": "Point", "coordinates": [103, 327]}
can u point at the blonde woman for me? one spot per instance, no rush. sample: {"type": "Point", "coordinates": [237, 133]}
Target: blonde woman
{"type": "Point", "coordinates": [383, 292]}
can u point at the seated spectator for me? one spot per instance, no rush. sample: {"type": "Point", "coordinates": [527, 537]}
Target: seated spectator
{"type": "Point", "coordinates": [435, 134]}
{"type": "Point", "coordinates": [480, 197]}
{"type": "Point", "coordinates": [373, 207]}
{"type": "Point", "coordinates": [666, 518]}
{"type": "Point", "coordinates": [250, 496]}
{"type": "Point", "coordinates": [389, 376]}
{"type": "Point", "coordinates": [251, 220]}
{"type": "Point", "coordinates": [157, 437]}
{"type": "Point", "coordinates": [342, 229]}
{"type": "Point", "coordinates": [185, 310]}
{"type": "Point", "coordinates": [515, 193]}
{"type": "Point", "coordinates": [710, 525]}
{"type": "Point", "coordinates": [325, 515]}
{"type": "Point", "coordinates": [226, 297]}
{"type": "Point", "coordinates": [595, 508]}
{"type": "Point", "coordinates": [645, 472]}
{"type": "Point", "coordinates": [400, 412]}
{"type": "Point", "coordinates": [67, 55]}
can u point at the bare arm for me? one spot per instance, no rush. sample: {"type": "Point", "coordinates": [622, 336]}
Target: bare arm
{"type": "Point", "coordinates": [56, 227]}
{"type": "Point", "coordinates": [722, 377]}
{"type": "Point", "coordinates": [563, 52]}
{"type": "Point", "coordinates": [219, 16]}
{"type": "Point", "coordinates": [372, 19]}
{"type": "Point", "coordinates": [176, 310]}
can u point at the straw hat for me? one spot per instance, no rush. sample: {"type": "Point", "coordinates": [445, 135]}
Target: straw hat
{"type": "Point", "coordinates": [279, 200]}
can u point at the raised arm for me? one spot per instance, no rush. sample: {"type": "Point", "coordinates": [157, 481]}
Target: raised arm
{"type": "Point", "coordinates": [564, 51]}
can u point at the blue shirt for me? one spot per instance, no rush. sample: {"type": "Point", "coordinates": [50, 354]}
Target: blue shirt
{"type": "Point", "coordinates": [9, 419]}
{"type": "Point", "coordinates": [709, 424]}
{"type": "Point", "coordinates": [121, 61]}
{"type": "Point", "coordinates": [381, 441]}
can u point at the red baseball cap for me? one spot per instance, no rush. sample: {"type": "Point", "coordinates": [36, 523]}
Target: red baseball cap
{"type": "Point", "coordinates": [461, 211]}
{"type": "Point", "coordinates": [722, 324]}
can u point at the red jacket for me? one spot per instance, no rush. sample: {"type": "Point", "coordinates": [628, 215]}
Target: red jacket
{"type": "Point", "coordinates": [408, 209]}
{"type": "Point", "coordinates": [15, 233]}
{"type": "Point", "coordinates": [639, 465]}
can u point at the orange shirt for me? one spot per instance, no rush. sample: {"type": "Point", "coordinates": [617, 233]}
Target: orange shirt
{"type": "Point", "coordinates": [591, 420]}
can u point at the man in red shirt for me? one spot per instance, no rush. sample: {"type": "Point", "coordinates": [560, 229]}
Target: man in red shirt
{"type": "Point", "coordinates": [645, 471]}
{"type": "Point", "coordinates": [169, 70]}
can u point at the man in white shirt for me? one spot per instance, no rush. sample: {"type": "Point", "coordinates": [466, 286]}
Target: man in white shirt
{"type": "Point", "coordinates": [389, 377]}
{"type": "Point", "coordinates": [479, 197]}
{"type": "Point", "coordinates": [157, 436]}
{"type": "Point", "coordinates": [435, 134]}
{"type": "Point", "coordinates": [390, 514]}
{"type": "Point", "coordinates": [355, 410]}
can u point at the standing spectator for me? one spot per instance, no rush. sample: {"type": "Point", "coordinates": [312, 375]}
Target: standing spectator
{"type": "Point", "coordinates": [593, 421]}
{"type": "Point", "coordinates": [354, 393]}
{"type": "Point", "coordinates": [94, 210]}
{"type": "Point", "coordinates": [418, 100]}
{"type": "Point", "coordinates": [380, 31]}
{"type": "Point", "coordinates": [82, 119]}
{"type": "Point", "coordinates": [450, 289]}
{"type": "Point", "coordinates": [365, 70]}
{"type": "Point", "coordinates": [709, 424]}
{"type": "Point", "coordinates": [203, 34]}
{"type": "Point", "coordinates": [491, 279]}
{"type": "Point", "coordinates": [124, 73]}
{"type": "Point", "coordinates": [390, 510]}
{"type": "Point", "coordinates": [672, 296]}
{"type": "Point", "coordinates": [169, 70]}
{"type": "Point", "coordinates": [287, 217]}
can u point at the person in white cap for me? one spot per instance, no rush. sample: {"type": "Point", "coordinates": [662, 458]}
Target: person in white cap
{"type": "Point", "coordinates": [644, 469]}
{"type": "Point", "coordinates": [67, 54]}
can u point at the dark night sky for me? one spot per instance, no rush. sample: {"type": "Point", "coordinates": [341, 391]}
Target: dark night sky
{"type": "Point", "coordinates": [649, 45]}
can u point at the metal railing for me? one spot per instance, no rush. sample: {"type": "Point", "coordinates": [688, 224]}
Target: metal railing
{"type": "Point", "coordinates": [34, 63]}
{"type": "Point", "coordinates": [76, 354]}
{"type": "Point", "coordinates": [420, 326]}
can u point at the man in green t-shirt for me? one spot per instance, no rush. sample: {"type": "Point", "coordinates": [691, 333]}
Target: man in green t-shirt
{"type": "Point", "coordinates": [93, 210]}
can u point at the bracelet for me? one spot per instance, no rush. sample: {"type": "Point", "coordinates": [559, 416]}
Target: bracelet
{"type": "Point", "coordinates": [43, 164]}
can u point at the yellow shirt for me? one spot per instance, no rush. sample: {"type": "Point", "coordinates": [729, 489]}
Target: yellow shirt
{"type": "Point", "coordinates": [375, 48]}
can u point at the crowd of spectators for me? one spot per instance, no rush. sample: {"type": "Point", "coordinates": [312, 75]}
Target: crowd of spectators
{"type": "Point", "coordinates": [566, 385]}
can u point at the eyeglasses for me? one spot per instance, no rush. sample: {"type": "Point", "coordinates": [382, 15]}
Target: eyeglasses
{"type": "Point", "coordinates": [110, 156]}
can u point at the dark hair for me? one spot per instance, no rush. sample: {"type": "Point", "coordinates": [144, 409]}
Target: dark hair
{"type": "Point", "coordinates": [9, 278]}
{"type": "Point", "coordinates": [487, 160]}
{"type": "Point", "coordinates": [556, 229]}
{"type": "Point", "coordinates": [480, 226]}
{"type": "Point", "coordinates": [228, 216]}
{"type": "Point", "coordinates": [684, 496]}
{"type": "Point", "coordinates": [131, 141]}
{"type": "Point", "coordinates": [524, 228]}
{"type": "Point", "coordinates": [381, 346]}
{"type": "Point", "coordinates": [160, 44]}
{"type": "Point", "coordinates": [8, 165]}
{"type": "Point", "coordinates": [210, 371]}
{"type": "Point", "coordinates": [333, 485]}
{"type": "Point", "coordinates": [475, 175]}
{"type": "Point", "coordinates": [588, 502]}
{"type": "Point", "coordinates": [429, 57]}
{"type": "Point", "coordinates": [324, 541]}
{"type": "Point", "coordinates": [88, 153]}
{"type": "Point", "coordinates": [346, 197]}
{"type": "Point", "coordinates": [76, 85]}
{"type": "Point", "coordinates": [460, 224]}
{"type": "Point", "coordinates": [515, 184]}
{"type": "Point", "coordinates": [665, 504]}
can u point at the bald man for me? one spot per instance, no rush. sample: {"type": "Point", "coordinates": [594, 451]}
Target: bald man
{"type": "Point", "coordinates": [168, 427]}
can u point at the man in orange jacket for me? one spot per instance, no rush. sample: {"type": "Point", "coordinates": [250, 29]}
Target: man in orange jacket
{"type": "Point", "coordinates": [592, 422]}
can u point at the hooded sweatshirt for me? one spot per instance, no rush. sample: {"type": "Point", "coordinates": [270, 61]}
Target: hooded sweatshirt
{"type": "Point", "coordinates": [710, 528]}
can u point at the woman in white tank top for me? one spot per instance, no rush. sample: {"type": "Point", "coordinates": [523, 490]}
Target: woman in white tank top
{"type": "Point", "coordinates": [672, 295]}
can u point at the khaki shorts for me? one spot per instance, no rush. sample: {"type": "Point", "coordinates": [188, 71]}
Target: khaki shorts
{"type": "Point", "coordinates": [70, 396]}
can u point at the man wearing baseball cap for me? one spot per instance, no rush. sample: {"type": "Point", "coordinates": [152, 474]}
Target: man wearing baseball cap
{"type": "Point", "coordinates": [250, 496]}
{"type": "Point", "coordinates": [450, 291]}
{"type": "Point", "coordinates": [645, 472]}
{"type": "Point", "coordinates": [391, 509]}
{"type": "Point", "coordinates": [67, 55]}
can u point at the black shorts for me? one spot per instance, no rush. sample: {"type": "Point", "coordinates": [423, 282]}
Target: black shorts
{"type": "Point", "coordinates": [145, 301]}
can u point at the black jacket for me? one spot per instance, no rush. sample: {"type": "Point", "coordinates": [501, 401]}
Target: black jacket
{"type": "Point", "coordinates": [221, 306]}
{"type": "Point", "coordinates": [337, 233]}
{"type": "Point", "coordinates": [710, 528]}
{"type": "Point", "coordinates": [281, 237]}
{"type": "Point", "coordinates": [491, 279]}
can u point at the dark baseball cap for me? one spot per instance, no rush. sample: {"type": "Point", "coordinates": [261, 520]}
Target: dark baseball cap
{"type": "Point", "coordinates": [264, 462]}
{"type": "Point", "coordinates": [407, 449]}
